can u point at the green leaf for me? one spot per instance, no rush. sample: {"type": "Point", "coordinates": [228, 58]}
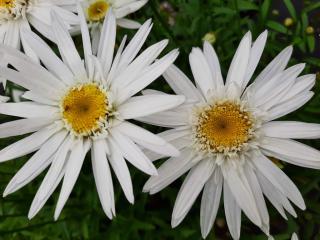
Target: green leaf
{"type": "Point", "coordinates": [247, 5]}
{"type": "Point", "coordinates": [311, 43]}
{"type": "Point", "coordinates": [291, 9]}
{"type": "Point", "coordinates": [277, 26]}
{"type": "Point", "coordinates": [265, 7]}
{"type": "Point", "coordinates": [312, 7]}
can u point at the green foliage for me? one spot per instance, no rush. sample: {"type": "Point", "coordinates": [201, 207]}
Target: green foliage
{"type": "Point", "coordinates": [184, 23]}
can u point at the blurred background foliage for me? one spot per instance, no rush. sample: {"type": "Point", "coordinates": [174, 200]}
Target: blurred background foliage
{"type": "Point", "coordinates": [185, 23]}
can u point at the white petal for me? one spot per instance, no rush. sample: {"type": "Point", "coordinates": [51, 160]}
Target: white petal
{"type": "Point", "coordinates": [278, 200]}
{"type": "Point", "coordinates": [26, 47]}
{"type": "Point", "coordinates": [277, 65]}
{"type": "Point", "coordinates": [201, 71]}
{"type": "Point", "coordinates": [255, 55]}
{"type": "Point", "coordinates": [147, 139]}
{"type": "Point", "coordinates": [278, 179]}
{"type": "Point", "coordinates": [294, 237]}
{"type": "Point", "coordinates": [168, 172]}
{"type": "Point", "coordinates": [240, 61]}
{"type": "Point", "coordinates": [292, 152]}
{"type": "Point", "coordinates": [134, 69]}
{"type": "Point", "coordinates": [291, 129]}
{"type": "Point", "coordinates": [146, 105]}
{"type": "Point", "coordinates": [135, 44]}
{"type": "Point", "coordinates": [232, 212]}
{"type": "Point", "coordinates": [30, 83]}
{"type": "Point", "coordinates": [28, 110]}
{"type": "Point", "coordinates": [67, 48]}
{"type": "Point", "coordinates": [150, 74]}
{"type": "Point", "coordinates": [242, 192]}
{"type": "Point", "coordinates": [107, 41]}
{"type": "Point", "coordinates": [102, 176]}
{"type": "Point", "coordinates": [214, 64]}
{"type": "Point", "coordinates": [191, 188]}
{"type": "Point", "coordinates": [289, 106]}
{"type": "Point", "coordinates": [27, 145]}
{"type": "Point", "coordinates": [127, 23]}
{"type": "Point", "coordinates": [36, 164]}
{"type": "Point", "coordinates": [270, 94]}
{"type": "Point", "coordinates": [48, 57]}
{"type": "Point", "coordinates": [303, 84]}
{"type": "Point", "coordinates": [86, 41]}
{"type": "Point", "coordinates": [72, 171]}
{"type": "Point", "coordinates": [168, 119]}
{"type": "Point", "coordinates": [181, 84]}
{"type": "Point", "coordinates": [121, 170]}
{"type": "Point", "coordinates": [258, 195]}
{"type": "Point", "coordinates": [51, 180]}
{"type": "Point", "coordinates": [23, 126]}
{"type": "Point", "coordinates": [133, 153]}
{"type": "Point", "coordinates": [210, 202]}
{"type": "Point", "coordinates": [12, 37]}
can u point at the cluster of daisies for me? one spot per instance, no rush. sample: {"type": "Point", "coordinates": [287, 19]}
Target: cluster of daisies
{"type": "Point", "coordinates": [222, 133]}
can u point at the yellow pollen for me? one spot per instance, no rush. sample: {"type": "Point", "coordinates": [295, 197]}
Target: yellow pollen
{"type": "Point", "coordinates": [7, 3]}
{"type": "Point", "coordinates": [224, 127]}
{"type": "Point", "coordinates": [98, 10]}
{"type": "Point", "coordinates": [84, 108]}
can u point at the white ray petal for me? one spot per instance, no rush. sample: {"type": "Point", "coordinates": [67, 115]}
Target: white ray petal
{"type": "Point", "coordinates": [169, 171]}
{"type": "Point", "coordinates": [147, 139]}
{"type": "Point", "coordinates": [121, 170]}
{"type": "Point", "coordinates": [277, 65]}
{"type": "Point", "coordinates": [23, 126]}
{"type": "Point", "coordinates": [135, 44]}
{"type": "Point", "coordinates": [29, 110]}
{"type": "Point", "coordinates": [72, 171]}
{"type": "Point", "coordinates": [210, 202]}
{"type": "Point", "coordinates": [240, 61]}
{"type": "Point", "coordinates": [48, 57]}
{"type": "Point", "coordinates": [150, 74]}
{"type": "Point", "coordinates": [107, 41]}
{"type": "Point", "coordinates": [52, 178]}
{"type": "Point", "coordinates": [291, 129]}
{"type": "Point", "coordinates": [149, 104]}
{"type": "Point", "coordinates": [242, 192]}
{"type": "Point", "coordinates": [181, 84]}
{"type": "Point", "coordinates": [36, 164]}
{"type": "Point", "coordinates": [255, 55]}
{"type": "Point", "coordinates": [279, 179]}
{"type": "Point", "coordinates": [201, 72]}
{"type": "Point", "coordinates": [133, 153]}
{"type": "Point", "coordinates": [27, 145]}
{"type": "Point", "coordinates": [232, 212]}
{"type": "Point", "coordinates": [102, 176]}
{"type": "Point", "coordinates": [292, 151]}
{"type": "Point", "coordinates": [191, 188]}
{"type": "Point", "coordinates": [67, 48]}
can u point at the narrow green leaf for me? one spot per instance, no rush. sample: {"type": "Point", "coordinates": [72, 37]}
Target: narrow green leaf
{"type": "Point", "coordinates": [277, 26]}
{"type": "Point", "coordinates": [291, 9]}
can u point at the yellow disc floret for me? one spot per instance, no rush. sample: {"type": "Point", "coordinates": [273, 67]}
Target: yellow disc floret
{"type": "Point", "coordinates": [97, 10]}
{"type": "Point", "coordinates": [7, 3]}
{"type": "Point", "coordinates": [85, 109]}
{"type": "Point", "coordinates": [223, 128]}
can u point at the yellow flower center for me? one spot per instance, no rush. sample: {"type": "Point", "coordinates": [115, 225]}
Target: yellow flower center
{"type": "Point", "coordinates": [98, 10]}
{"type": "Point", "coordinates": [223, 128]}
{"type": "Point", "coordinates": [7, 3]}
{"type": "Point", "coordinates": [85, 109]}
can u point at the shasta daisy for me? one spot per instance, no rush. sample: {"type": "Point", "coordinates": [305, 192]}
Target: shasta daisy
{"type": "Point", "coordinates": [226, 131]}
{"type": "Point", "coordinates": [76, 106]}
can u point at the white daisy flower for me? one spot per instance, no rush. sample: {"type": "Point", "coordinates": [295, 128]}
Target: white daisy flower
{"type": "Point", "coordinates": [18, 15]}
{"type": "Point", "coordinates": [96, 10]}
{"type": "Point", "coordinates": [225, 132]}
{"type": "Point", "coordinates": [76, 107]}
